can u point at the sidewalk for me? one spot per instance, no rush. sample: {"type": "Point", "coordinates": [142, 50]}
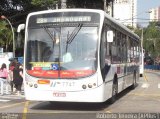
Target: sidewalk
{"type": "Point", "coordinates": [5, 91]}
{"type": "Point", "coordinates": [11, 96]}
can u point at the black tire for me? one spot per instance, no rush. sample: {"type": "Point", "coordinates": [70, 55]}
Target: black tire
{"type": "Point", "coordinates": [134, 81]}
{"type": "Point", "coordinates": [52, 103]}
{"type": "Point", "coordinates": [141, 75]}
{"type": "Point", "coordinates": [114, 91]}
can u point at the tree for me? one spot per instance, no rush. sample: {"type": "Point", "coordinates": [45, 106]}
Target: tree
{"type": "Point", "coordinates": [6, 39]}
{"type": "Point", "coordinates": [16, 12]}
{"type": "Point", "coordinates": [151, 40]}
{"type": "Point", "coordinates": [45, 4]}
{"type": "Point", "coordinates": [93, 4]}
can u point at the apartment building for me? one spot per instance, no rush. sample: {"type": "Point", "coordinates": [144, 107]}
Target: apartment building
{"type": "Point", "coordinates": [125, 11]}
{"type": "Point", "coordinates": [155, 14]}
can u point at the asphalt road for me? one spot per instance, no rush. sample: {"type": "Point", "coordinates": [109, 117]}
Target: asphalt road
{"type": "Point", "coordinates": [143, 102]}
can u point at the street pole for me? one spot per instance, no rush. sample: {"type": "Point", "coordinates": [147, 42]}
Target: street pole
{"type": "Point", "coordinates": [104, 7]}
{"type": "Point", "coordinates": [3, 17]}
{"type": "Point", "coordinates": [142, 38]}
{"type": "Point", "coordinates": [112, 8]}
{"type": "Point", "coordinates": [63, 4]}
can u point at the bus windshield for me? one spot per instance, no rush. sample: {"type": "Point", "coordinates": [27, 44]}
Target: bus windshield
{"type": "Point", "coordinates": [62, 51]}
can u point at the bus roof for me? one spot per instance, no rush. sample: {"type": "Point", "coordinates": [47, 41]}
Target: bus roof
{"type": "Point", "coordinates": [101, 12]}
{"type": "Point", "coordinates": [66, 10]}
{"type": "Point", "coordinates": [121, 25]}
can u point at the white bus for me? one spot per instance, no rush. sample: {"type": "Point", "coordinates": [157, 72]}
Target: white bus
{"type": "Point", "coordinates": [78, 55]}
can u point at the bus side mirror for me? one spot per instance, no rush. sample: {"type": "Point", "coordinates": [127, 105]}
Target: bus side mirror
{"type": "Point", "coordinates": [20, 27]}
{"type": "Point", "coordinates": [110, 36]}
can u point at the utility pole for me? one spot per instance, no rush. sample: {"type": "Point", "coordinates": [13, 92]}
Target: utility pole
{"type": "Point", "coordinates": [104, 7]}
{"type": "Point", "coordinates": [142, 38]}
{"type": "Point", "coordinates": [109, 9]}
{"type": "Point", "coordinates": [112, 13]}
{"type": "Point", "coordinates": [63, 4]}
{"type": "Point", "coordinates": [56, 6]}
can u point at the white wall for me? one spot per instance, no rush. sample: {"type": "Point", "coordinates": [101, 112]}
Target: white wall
{"type": "Point", "coordinates": [4, 58]}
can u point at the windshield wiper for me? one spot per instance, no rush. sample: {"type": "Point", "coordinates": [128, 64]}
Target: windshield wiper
{"type": "Point", "coordinates": [72, 35]}
{"type": "Point", "coordinates": [49, 33]}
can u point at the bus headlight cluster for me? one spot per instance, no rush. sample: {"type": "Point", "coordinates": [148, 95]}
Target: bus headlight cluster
{"type": "Point", "coordinates": [32, 85]}
{"type": "Point", "coordinates": [35, 85]}
{"type": "Point", "coordinates": [89, 85]}
{"type": "Point", "coordinates": [84, 86]}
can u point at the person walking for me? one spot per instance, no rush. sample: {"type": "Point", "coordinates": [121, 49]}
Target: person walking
{"type": "Point", "coordinates": [11, 67]}
{"type": "Point", "coordinates": [4, 78]}
{"type": "Point", "coordinates": [3, 71]}
{"type": "Point", "coordinates": [18, 77]}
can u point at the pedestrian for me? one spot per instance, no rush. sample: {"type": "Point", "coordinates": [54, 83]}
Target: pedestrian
{"type": "Point", "coordinates": [18, 77]}
{"type": "Point", "coordinates": [3, 71]}
{"type": "Point", "coordinates": [4, 78]}
{"type": "Point", "coordinates": [11, 67]}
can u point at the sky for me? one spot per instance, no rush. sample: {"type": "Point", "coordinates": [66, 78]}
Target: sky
{"type": "Point", "coordinates": [143, 7]}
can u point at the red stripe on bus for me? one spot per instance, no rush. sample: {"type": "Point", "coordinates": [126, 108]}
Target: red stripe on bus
{"type": "Point", "coordinates": [62, 73]}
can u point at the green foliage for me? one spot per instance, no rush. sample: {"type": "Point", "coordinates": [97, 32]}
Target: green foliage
{"type": "Point", "coordinates": [6, 37]}
{"type": "Point", "coordinates": [16, 12]}
{"type": "Point", "coordinates": [93, 4]}
{"type": "Point", "coordinates": [44, 3]}
{"type": "Point", "coordinates": [152, 39]}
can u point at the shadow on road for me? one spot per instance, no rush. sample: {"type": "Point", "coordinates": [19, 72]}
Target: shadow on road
{"type": "Point", "coordinates": [70, 106]}
{"type": "Point", "coordinates": [76, 106]}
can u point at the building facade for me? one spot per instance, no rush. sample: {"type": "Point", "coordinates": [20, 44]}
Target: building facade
{"type": "Point", "coordinates": [155, 14]}
{"type": "Point", "coordinates": [125, 11]}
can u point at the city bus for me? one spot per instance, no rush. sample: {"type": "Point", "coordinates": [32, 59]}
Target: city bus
{"type": "Point", "coordinates": [78, 55]}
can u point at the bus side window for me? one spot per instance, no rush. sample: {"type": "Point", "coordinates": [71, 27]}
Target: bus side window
{"type": "Point", "coordinates": [104, 54]}
{"type": "Point", "coordinates": [108, 54]}
{"type": "Point", "coordinates": [108, 48]}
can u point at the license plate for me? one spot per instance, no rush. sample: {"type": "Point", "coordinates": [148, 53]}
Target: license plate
{"type": "Point", "coordinates": [56, 94]}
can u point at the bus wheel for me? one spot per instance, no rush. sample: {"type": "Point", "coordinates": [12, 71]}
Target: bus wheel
{"type": "Point", "coordinates": [134, 81]}
{"type": "Point", "coordinates": [114, 91]}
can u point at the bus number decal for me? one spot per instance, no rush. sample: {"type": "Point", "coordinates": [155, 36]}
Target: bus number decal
{"type": "Point", "coordinates": [63, 84]}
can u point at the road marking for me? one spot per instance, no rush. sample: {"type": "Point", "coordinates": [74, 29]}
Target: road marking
{"type": "Point", "coordinates": [142, 94]}
{"type": "Point", "coordinates": [3, 100]}
{"type": "Point", "coordinates": [11, 105]}
{"type": "Point", "coordinates": [108, 111]}
{"type": "Point", "coordinates": [145, 85]}
{"type": "Point", "coordinates": [11, 97]}
{"type": "Point", "coordinates": [145, 77]}
{"type": "Point", "coordinates": [25, 110]}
